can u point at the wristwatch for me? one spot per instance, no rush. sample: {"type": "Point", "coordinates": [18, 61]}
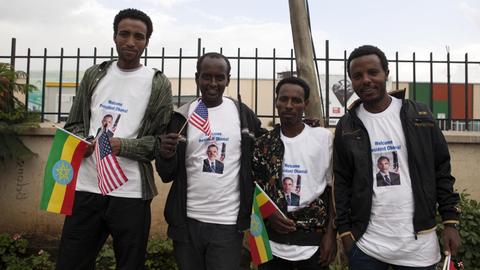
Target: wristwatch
{"type": "Point", "coordinates": [452, 225]}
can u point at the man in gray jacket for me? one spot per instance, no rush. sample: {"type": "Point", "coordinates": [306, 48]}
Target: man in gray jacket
{"type": "Point", "coordinates": [142, 96]}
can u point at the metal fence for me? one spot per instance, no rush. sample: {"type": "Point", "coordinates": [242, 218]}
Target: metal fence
{"type": "Point", "coordinates": [467, 123]}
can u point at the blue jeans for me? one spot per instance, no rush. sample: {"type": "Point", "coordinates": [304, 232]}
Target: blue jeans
{"type": "Point", "coordinates": [358, 260]}
{"type": "Point", "coordinates": [210, 247]}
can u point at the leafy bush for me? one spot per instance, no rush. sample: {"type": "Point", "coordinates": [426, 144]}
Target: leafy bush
{"type": "Point", "coordinates": [469, 252]}
{"type": "Point", "coordinates": [14, 255]}
{"type": "Point", "coordinates": [13, 117]}
{"type": "Point", "coordinates": [159, 256]}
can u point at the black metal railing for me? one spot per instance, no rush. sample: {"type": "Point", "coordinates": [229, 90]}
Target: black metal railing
{"type": "Point", "coordinates": [467, 122]}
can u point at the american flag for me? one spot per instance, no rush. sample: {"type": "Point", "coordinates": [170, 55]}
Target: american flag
{"type": "Point", "coordinates": [109, 174]}
{"type": "Point", "coordinates": [199, 119]}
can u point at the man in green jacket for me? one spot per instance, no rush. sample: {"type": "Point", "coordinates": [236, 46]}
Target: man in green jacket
{"type": "Point", "coordinates": [139, 101]}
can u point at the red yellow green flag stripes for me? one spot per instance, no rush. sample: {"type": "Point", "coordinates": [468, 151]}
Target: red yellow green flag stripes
{"type": "Point", "coordinates": [61, 172]}
{"type": "Point", "coordinates": [265, 204]}
{"type": "Point", "coordinates": [262, 207]}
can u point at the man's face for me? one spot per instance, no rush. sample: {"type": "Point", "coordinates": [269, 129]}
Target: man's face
{"type": "Point", "coordinates": [212, 80]}
{"type": "Point", "coordinates": [291, 104]}
{"type": "Point", "coordinates": [107, 122]}
{"type": "Point", "coordinates": [212, 153]}
{"type": "Point", "coordinates": [287, 185]}
{"type": "Point", "coordinates": [131, 40]}
{"type": "Point", "coordinates": [383, 165]}
{"type": "Point", "coordinates": [369, 80]}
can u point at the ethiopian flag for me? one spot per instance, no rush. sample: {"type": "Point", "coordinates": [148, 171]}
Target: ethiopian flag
{"type": "Point", "coordinates": [262, 207]}
{"type": "Point", "coordinates": [61, 172]}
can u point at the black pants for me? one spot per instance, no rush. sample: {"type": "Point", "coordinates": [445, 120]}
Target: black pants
{"type": "Point", "coordinates": [211, 247]}
{"type": "Point", "coordinates": [94, 218]}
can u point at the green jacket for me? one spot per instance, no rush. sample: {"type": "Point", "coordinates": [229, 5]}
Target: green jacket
{"type": "Point", "coordinates": [155, 120]}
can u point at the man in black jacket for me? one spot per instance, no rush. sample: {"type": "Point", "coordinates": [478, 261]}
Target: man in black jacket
{"type": "Point", "coordinates": [391, 225]}
{"type": "Point", "coordinates": [207, 212]}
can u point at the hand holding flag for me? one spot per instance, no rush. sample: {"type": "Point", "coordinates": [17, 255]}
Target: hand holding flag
{"type": "Point", "coordinates": [262, 207]}
{"type": "Point", "coordinates": [110, 175]}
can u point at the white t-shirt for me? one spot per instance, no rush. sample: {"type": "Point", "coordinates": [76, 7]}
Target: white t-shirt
{"type": "Point", "coordinates": [121, 98]}
{"type": "Point", "coordinates": [213, 194]}
{"type": "Point", "coordinates": [390, 235]}
{"type": "Point", "coordinates": [308, 162]}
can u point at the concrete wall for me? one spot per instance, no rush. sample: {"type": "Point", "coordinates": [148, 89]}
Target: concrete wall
{"type": "Point", "coordinates": [21, 185]}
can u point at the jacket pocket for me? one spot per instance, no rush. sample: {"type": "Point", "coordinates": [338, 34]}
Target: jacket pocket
{"type": "Point", "coordinates": [424, 121]}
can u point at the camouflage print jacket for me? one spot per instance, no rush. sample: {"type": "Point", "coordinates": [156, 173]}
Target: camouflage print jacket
{"type": "Point", "coordinates": [311, 221]}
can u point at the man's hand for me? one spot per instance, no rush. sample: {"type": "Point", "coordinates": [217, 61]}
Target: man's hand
{"type": "Point", "coordinates": [328, 247]}
{"type": "Point", "coordinates": [347, 242]}
{"type": "Point", "coordinates": [281, 224]}
{"type": "Point", "coordinates": [451, 240]}
{"type": "Point", "coordinates": [168, 145]}
{"type": "Point", "coordinates": [116, 144]}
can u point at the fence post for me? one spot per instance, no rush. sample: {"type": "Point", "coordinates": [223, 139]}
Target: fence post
{"type": "Point", "coordinates": [396, 71]}
{"type": "Point", "coordinates": [327, 84]}
{"type": "Point", "coordinates": [449, 101]}
{"type": "Point", "coordinates": [199, 53]}
{"type": "Point", "coordinates": [180, 56]}
{"type": "Point", "coordinates": [60, 88]}
{"type": "Point", "coordinates": [44, 77]}
{"type": "Point", "coordinates": [238, 72]}
{"type": "Point", "coordinates": [13, 53]}
{"type": "Point", "coordinates": [466, 92]}
{"type": "Point", "coordinates": [431, 82]}
{"type": "Point", "coordinates": [414, 79]}
{"type": "Point", "coordinates": [28, 78]}
{"type": "Point", "coordinates": [273, 86]}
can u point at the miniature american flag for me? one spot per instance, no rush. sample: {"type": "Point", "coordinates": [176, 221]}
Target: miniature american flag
{"type": "Point", "coordinates": [109, 174]}
{"type": "Point", "coordinates": [199, 119]}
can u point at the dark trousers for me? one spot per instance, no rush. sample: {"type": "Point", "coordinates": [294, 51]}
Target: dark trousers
{"type": "Point", "coordinates": [94, 218]}
{"type": "Point", "coordinates": [358, 260]}
{"type": "Point", "coordinates": [281, 264]}
{"type": "Point", "coordinates": [210, 247]}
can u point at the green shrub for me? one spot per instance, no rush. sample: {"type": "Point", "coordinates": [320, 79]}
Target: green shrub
{"type": "Point", "coordinates": [106, 258]}
{"type": "Point", "coordinates": [159, 256]}
{"type": "Point", "coordinates": [15, 256]}
{"type": "Point", "coordinates": [469, 252]}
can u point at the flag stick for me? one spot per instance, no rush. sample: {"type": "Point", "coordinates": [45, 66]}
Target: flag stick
{"type": "Point", "coordinates": [271, 200]}
{"type": "Point", "coordinates": [69, 133]}
{"type": "Point", "coordinates": [446, 263]}
{"type": "Point", "coordinates": [184, 125]}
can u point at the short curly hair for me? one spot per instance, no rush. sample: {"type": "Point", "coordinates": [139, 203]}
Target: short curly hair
{"type": "Point", "coordinates": [367, 50]}
{"type": "Point", "coordinates": [213, 55]}
{"type": "Point", "coordinates": [131, 13]}
{"type": "Point", "coordinates": [296, 81]}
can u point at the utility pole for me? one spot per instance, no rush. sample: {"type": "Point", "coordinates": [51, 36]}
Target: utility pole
{"type": "Point", "coordinates": [302, 43]}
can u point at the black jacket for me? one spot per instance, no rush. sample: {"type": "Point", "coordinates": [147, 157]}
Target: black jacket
{"type": "Point", "coordinates": [173, 170]}
{"type": "Point", "coordinates": [428, 163]}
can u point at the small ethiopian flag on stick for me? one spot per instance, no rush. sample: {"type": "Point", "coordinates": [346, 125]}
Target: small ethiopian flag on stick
{"type": "Point", "coordinates": [61, 172]}
{"type": "Point", "coordinates": [259, 243]}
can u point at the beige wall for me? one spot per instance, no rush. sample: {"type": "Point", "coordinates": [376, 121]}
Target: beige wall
{"type": "Point", "coordinates": [21, 185]}
{"type": "Point", "coordinates": [20, 191]}
{"type": "Point", "coordinates": [476, 101]}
